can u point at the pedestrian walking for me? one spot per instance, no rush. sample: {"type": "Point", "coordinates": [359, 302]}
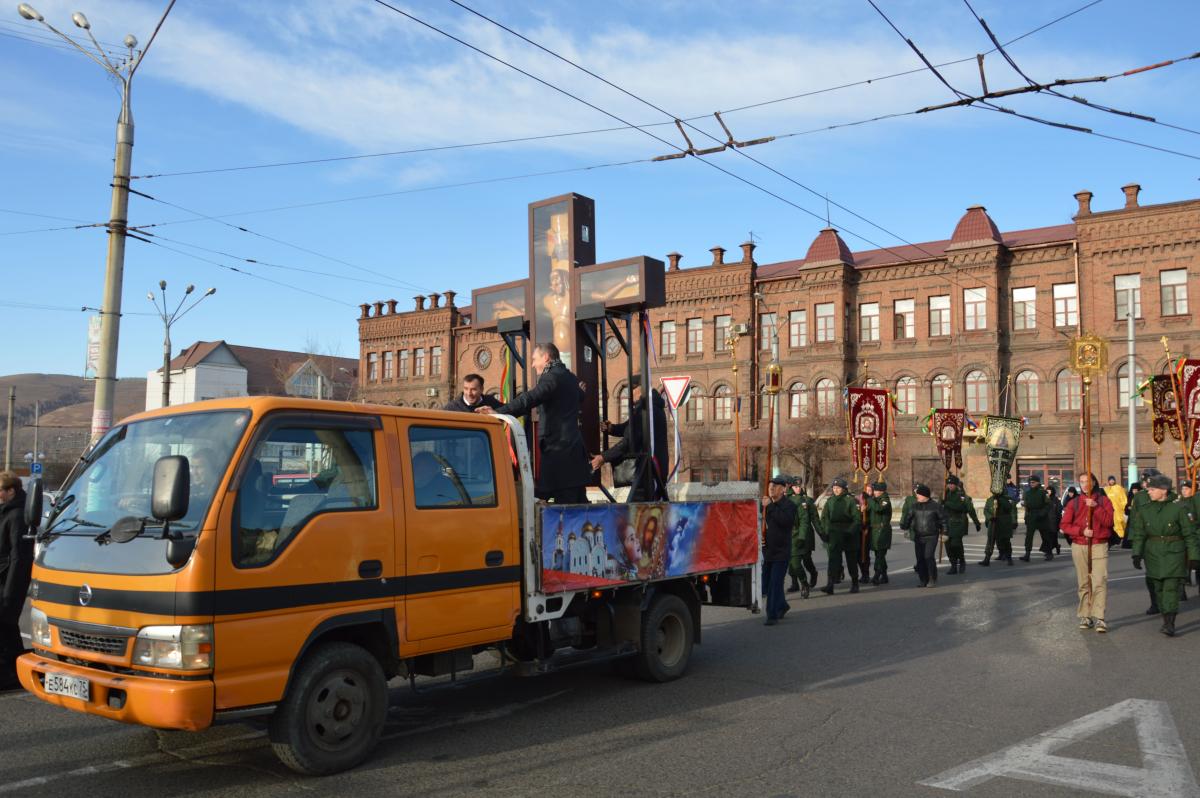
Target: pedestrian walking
{"type": "Point", "coordinates": [804, 540]}
{"type": "Point", "coordinates": [926, 522]}
{"type": "Point", "coordinates": [1165, 539]}
{"type": "Point", "coordinates": [905, 510]}
{"type": "Point", "coordinates": [1037, 518]}
{"type": "Point", "coordinates": [16, 564]}
{"type": "Point", "coordinates": [779, 518]}
{"type": "Point", "coordinates": [1056, 512]}
{"type": "Point", "coordinates": [864, 539]}
{"type": "Point", "coordinates": [879, 513]}
{"type": "Point", "coordinates": [1088, 523]}
{"type": "Point", "coordinates": [1134, 489]}
{"type": "Point", "coordinates": [841, 521]}
{"type": "Point", "coordinates": [1139, 498]}
{"type": "Point", "coordinates": [1120, 501]}
{"type": "Point", "coordinates": [1191, 503]}
{"type": "Point", "coordinates": [1000, 518]}
{"type": "Point", "coordinates": [959, 507]}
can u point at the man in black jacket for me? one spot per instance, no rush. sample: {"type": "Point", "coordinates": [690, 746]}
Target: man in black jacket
{"type": "Point", "coordinates": [16, 563]}
{"type": "Point", "coordinates": [472, 396]}
{"type": "Point", "coordinates": [563, 471]}
{"type": "Point", "coordinates": [632, 442]}
{"type": "Point", "coordinates": [927, 521]}
{"type": "Point", "coordinates": [779, 516]}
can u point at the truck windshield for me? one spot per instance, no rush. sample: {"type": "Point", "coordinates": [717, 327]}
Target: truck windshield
{"type": "Point", "coordinates": [116, 479]}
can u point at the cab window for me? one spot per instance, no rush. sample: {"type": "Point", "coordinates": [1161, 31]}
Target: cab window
{"type": "Point", "coordinates": [294, 474]}
{"type": "Point", "coordinates": [451, 467]}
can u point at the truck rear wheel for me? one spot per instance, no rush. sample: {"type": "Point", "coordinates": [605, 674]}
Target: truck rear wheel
{"type": "Point", "coordinates": [333, 713]}
{"type": "Point", "coordinates": [666, 639]}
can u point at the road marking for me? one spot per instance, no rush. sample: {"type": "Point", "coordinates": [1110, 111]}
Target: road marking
{"type": "Point", "coordinates": [1166, 772]}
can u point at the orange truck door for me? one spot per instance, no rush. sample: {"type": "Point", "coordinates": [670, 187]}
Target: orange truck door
{"type": "Point", "coordinates": [463, 576]}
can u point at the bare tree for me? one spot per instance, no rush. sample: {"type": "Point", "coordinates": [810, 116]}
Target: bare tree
{"type": "Point", "coordinates": [811, 444]}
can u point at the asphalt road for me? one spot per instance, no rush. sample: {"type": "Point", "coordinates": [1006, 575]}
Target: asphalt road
{"type": "Point", "coordinates": [870, 694]}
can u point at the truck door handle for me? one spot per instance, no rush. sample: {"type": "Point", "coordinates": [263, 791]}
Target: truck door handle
{"type": "Point", "coordinates": [494, 558]}
{"type": "Point", "coordinates": [370, 569]}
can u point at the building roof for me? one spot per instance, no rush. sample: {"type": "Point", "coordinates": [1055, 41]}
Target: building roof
{"type": "Point", "coordinates": [268, 369]}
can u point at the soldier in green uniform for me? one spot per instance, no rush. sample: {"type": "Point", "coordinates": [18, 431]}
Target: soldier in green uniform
{"type": "Point", "coordinates": [906, 512]}
{"type": "Point", "coordinates": [1165, 538]}
{"type": "Point", "coordinates": [1000, 516]}
{"type": "Point", "coordinates": [1140, 499]}
{"type": "Point", "coordinates": [958, 507]}
{"type": "Point", "coordinates": [841, 521]}
{"type": "Point", "coordinates": [1037, 518]}
{"type": "Point", "coordinates": [879, 514]}
{"type": "Point", "coordinates": [804, 540]}
{"type": "Point", "coordinates": [1191, 503]}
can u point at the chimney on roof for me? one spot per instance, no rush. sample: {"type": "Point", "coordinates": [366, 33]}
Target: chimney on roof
{"type": "Point", "coordinates": [718, 256]}
{"type": "Point", "coordinates": [420, 302]}
{"type": "Point", "coordinates": [1131, 194]}
{"type": "Point", "coordinates": [365, 311]}
{"type": "Point", "coordinates": [748, 248]}
{"type": "Point", "coordinates": [391, 306]}
{"type": "Point", "coordinates": [449, 297]}
{"type": "Point", "coordinates": [435, 301]}
{"type": "Point", "coordinates": [673, 261]}
{"type": "Point", "coordinates": [378, 308]}
{"type": "Point", "coordinates": [1085, 203]}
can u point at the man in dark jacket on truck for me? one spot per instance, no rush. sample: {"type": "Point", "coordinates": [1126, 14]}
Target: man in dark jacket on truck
{"type": "Point", "coordinates": [632, 444]}
{"type": "Point", "coordinates": [16, 563]}
{"type": "Point", "coordinates": [779, 517]}
{"type": "Point", "coordinates": [563, 471]}
{"type": "Point", "coordinates": [472, 396]}
{"type": "Point", "coordinates": [926, 521]}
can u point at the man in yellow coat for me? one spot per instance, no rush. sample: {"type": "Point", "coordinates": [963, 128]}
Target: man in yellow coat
{"type": "Point", "coordinates": [1116, 495]}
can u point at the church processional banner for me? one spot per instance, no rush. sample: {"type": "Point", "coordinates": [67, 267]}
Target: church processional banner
{"type": "Point", "coordinates": [947, 428]}
{"type": "Point", "coordinates": [608, 545]}
{"type": "Point", "coordinates": [1188, 372]}
{"type": "Point", "coordinates": [1002, 435]}
{"type": "Point", "coordinates": [869, 419]}
{"type": "Point", "coordinates": [1163, 406]}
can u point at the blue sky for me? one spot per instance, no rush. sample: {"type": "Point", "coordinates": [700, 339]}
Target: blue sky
{"type": "Point", "coordinates": [233, 84]}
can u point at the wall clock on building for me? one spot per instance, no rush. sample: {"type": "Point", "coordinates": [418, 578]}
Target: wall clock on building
{"type": "Point", "coordinates": [483, 357]}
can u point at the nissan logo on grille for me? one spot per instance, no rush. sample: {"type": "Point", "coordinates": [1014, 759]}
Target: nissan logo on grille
{"type": "Point", "coordinates": [85, 596]}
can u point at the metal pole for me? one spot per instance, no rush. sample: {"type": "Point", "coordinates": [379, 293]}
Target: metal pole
{"type": "Point", "coordinates": [37, 412]}
{"type": "Point", "coordinates": [1132, 469]}
{"type": "Point", "coordinates": [166, 375]}
{"type": "Point", "coordinates": [8, 433]}
{"type": "Point", "coordinates": [775, 411]}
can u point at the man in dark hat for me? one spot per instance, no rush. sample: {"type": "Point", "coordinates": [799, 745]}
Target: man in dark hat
{"type": "Point", "coordinates": [1037, 518]}
{"type": "Point", "coordinates": [779, 516]}
{"type": "Point", "coordinates": [1191, 503]}
{"type": "Point", "coordinates": [1139, 498]}
{"type": "Point", "coordinates": [1165, 538]}
{"type": "Point", "coordinates": [841, 521]}
{"type": "Point", "coordinates": [804, 540]}
{"type": "Point", "coordinates": [959, 507]}
{"type": "Point", "coordinates": [879, 515]}
{"type": "Point", "coordinates": [925, 522]}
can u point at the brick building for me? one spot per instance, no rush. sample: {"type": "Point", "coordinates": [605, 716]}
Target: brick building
{"type": "Point", "coordinates": [978, 320]}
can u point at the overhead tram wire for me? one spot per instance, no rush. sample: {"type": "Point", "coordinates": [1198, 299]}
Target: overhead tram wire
{"type": "Point", "coordinates": [568, 134]}
{"type": "Point", "coordinates": [10, 303]}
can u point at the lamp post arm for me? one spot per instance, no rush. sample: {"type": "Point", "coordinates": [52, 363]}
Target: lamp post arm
{"type": "Point", "coordinates": [146, 49]}
{"type": "Point", "coordinates": [103, 64]}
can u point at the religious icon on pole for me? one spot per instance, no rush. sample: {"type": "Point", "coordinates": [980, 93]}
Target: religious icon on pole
{"type": "Point", "coordinates": [1163, 408]}
{"type": "Point", "coordinates": [869, 420]}
{"type": "Point", "coordinates": [1002, 436]}
{"type": "Point", "coordinates": [947, 429]}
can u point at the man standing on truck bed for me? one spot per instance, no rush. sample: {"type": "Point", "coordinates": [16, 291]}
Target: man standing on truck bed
{"type": "Point", "coordinates": [563, 470]}
{"type": "Point", "coordinates": [472, 396]}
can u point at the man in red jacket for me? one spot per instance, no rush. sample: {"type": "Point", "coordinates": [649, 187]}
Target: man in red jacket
{"type": "Point", "coordinates": [1088, 522]}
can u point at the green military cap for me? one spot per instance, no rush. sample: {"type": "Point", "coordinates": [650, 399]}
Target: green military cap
{"type": "Point", "coordinates": [1160, 481]}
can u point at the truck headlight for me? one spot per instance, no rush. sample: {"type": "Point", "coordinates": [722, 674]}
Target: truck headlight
{"type": "Point", "coordinates": [39, 628]}
{"type": "Point", "coordinates": [176, 647]}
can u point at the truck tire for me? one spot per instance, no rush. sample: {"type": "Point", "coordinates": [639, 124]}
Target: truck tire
{"type": "Point", "coordinates": [333, 713]}
{"type": "Point", "coordinates": [666, 639]}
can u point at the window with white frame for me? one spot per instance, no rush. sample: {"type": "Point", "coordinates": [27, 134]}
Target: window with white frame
{"type": "Point", "coordinates": [978, 392]}
{"type": "Point", "coordinates": [1027, 392]}
{"type": "Point", "coordinates": [940, 393]}
{"type": "Point", "coordinates": [1024, 308]}
{"type": "Point", "coordinates": [723, 403]}
{"type": "Point", "coordinates": [694, 404]}
{"type": "Point", "coordinates": [721, 333]}
{"type": "Point", "coordinates": [905, 314]}
{"type": "Point", "coordinates": [1066, 304]}
{"type": "Point", "coordinates": [1128, 290]}
{"type": "Point", "coordinates": [825, 329]}
{"type": "Point", "coordinates": [435, 361]}
{"type": "Point", "coordinates": [1126, 387]}
{"type": "Point", "coordinates": [1070, 391]}
{"type": "Point", "coordinates": [906, 395]}
{"type": "Point", "coordinates": [666, 339]}
{"type": "Point", "coordinates": [1173, 285]}
{"type": "Point", "coordinates": [766, 331]}
{"type": "Point", "coordinates": [868, 321]}
{"type": "Point", "coordinates": [389, 365]}
{"type": "Point", "coordinates": [373, 367]}
{"type": "Point", "coordinates": [827, 397]}
{"type": "Point", "coordinates": [404, 363]}
{"type": "Point", "coordinates": [797, 400]}
{"type": "Point", "coordinates": [695, 336]}
{"type": "Point", "coordinates": [975, 308]}
{"type": "Point", "coordinates": [939, 315]}
{"type": "Point", "coordinates": [419, 362]}
{"type": "Point", "coordinates": [798, 329]}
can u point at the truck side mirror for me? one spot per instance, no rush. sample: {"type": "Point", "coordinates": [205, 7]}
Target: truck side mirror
{"type": "Point", "coordinates": [172, 484]}
{"type": "Point", "coordinates": [33, 506]}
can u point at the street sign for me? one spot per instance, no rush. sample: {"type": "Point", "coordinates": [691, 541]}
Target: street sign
{"type": "Point", "coordinates": [35, 469]}
{"type": "Point", "coordinates": [675, 388]}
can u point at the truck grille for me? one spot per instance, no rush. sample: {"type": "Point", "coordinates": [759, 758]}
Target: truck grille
{"type": "Point", "coordinates": [98, 644]}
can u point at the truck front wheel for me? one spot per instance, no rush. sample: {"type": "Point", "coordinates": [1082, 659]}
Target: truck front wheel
{"type": "Point", "coordinates": [666, 639]}
{"type": "Point", "coordinates": [333, 713]}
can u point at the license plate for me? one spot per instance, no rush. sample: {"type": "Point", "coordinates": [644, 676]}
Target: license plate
{"type": "Point", "coordinates": [70, 686]}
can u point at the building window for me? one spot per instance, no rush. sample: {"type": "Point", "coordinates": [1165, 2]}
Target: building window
{"type": "Point", "coordinates": [1066, 305]}
{"type": "Point", "coordinates": [389, 365]}
{"type": "Point", "coordinates": [1027, 392]}
{"type": "Point", "coordinates": [1024, 308]}
{"type": "Point", "coordinates": [403, 364]}
{"type": "Point", "coordinates": [419, 362]}
{"type": "Point", "coordinates": [825, 329]}
{"type": "Point", "coordinates": [978, 398]}
{"type": "Point", "coordinates": [764, 405]}
{"type": "Point", "coordinates": [1128, 288]}
{"type": "Point", "coordinates": [766, 331]}
{"type": "Point", "coordinates": [905, 318]}
{"type": "Point", "coordinates": [723, 403]}
{"type": "Point", "coordinates": [906, 395]}
{"type": "Point", "coordinates": [373, 367]}
{"type": "Point", "coordinates": [798, 400]}
{"type": "Point", "coordinates": [623, 403]}
{"type": "Point", "coordinates": [695, 336]}
{"type": "Point", "coordinates": [868, 321]}
{"type": "Point", "coordinates": [694, 404]}
{"type": "Point", "coordinates": [435, 361]}
{"type": "Point", "coordinates": [940, 393]}
{"type": "Point", "coordinates": [1070, 391]}
{"type": "Point", "coordinates": [798, 329]}
{"type": "Point", "coordinates": [1125, 387]}
{"type": "Point", "coordinates": [667, 339]}
{"type": "Point", "coordinates": [939, 315]}
{"type": "Point", "coordinates": [827, 397]}
{"type": "Point", "coordinates": [721, 333]}
{"type": "Point", "coordinates": [975, 308]}
{"type": "Point", "coordinates": [1174, 292]}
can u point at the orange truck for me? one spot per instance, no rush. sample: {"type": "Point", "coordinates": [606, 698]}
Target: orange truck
{"type": "Point", "coordinates": [178, 584]}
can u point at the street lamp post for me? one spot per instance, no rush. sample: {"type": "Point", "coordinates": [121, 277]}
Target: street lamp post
{"type": "Point", "coordinates": [110, 310]}
{"type": "Point", "coordinates": [169, 318]}
{"type": "Point", "coordinates": [773, 384]}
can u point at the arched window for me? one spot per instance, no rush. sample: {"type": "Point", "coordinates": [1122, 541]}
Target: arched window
{"type": "Point", "coordinates": [723, 403]}
{"type": "Point", "coordinates": [939, 392]}
{"type": "Point", "coordinates": [623, 403]}
{"type": "Point", "coordinates": [827, 397]}
{"type": "Point", "coordinates": [1125, 387]}
{"type": "Point", "coordinates": [906, 395]}
{"type": "Point", "coordinates": [694, 403]}
{"type": "Point", "coordinates": [979, 398]}
{"type": "Point", "coordinates": [797, 400]}
{"type": "Point", "coordinates": [1070, 391]}
{"type": "Point", "coordinates": [1027, 392]}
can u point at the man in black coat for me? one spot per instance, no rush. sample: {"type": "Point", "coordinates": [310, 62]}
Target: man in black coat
{"type": "Point", "coordinates": [779, 516]}
{"type": "Point", "coordinates": [632, 441]}
{"type": "Point", "coordinates": [472, 396]}
{"type": "Point", "coordinates": [16, 564]}
{"type": "Point", "coordinates": [563, 469]}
